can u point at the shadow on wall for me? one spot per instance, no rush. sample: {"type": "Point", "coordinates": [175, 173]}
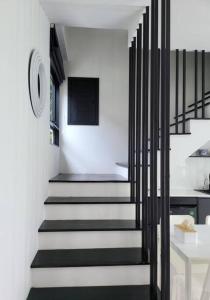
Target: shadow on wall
{"type": "Point", "coordinates": [95, 149]}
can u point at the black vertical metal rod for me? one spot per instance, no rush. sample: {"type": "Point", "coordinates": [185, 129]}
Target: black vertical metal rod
{"type": "Point", "coordinates": [203, 82]}
{"type": "Point", "coordinates": [196, 83]}
{"type": "Point", "coordinates": [154, 136]}
{"type": "Point", "coordinates": [133, 121]}
{"type": "Point", "coordinates": [184, 92]}
{"type": "Point", "coordinates": [138, 123]}
{"type": "Point", "coordinates": [165, 153]}
{"type": "Point", "coordinates": [158, 103]}
{"type": "Point", "coordinates": [145, 133]}
{"type": "Point", "coordinates": [130, 114]}
{"type": "Point", "coordinates": [177, 91]}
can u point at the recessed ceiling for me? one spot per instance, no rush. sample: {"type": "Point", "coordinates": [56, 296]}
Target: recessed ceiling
{"type": "Point", "coordinates": [116, 14]}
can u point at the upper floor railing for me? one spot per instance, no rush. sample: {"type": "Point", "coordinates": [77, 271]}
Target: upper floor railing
{"type": "Point", "coordinates": [186, 89]}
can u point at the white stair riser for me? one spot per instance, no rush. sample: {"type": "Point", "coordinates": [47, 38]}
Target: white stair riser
{"type": "Point", "coordinates": [90, 276]}
{"type": "Point", "coordinates": [83, 189]}
{"type": "Point", "coordinates": [89, 211]}
{"type": "Point", "coordinates": [89, 239]}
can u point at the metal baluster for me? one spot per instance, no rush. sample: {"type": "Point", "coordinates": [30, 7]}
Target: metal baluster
{"type": "Point", "coordinates": [138, 123]}
{"type": "Point", "coordinates": [184, 92]}
{"type": "Point", "coordinates": [145, 132]}
{"type": "Point", "coordinates": [165, 155]}
{"type": "Point", "coordinates": [154, 136]}
{"type": "Point", "coordinates": [196, 84]}
{"type": "Point", "coordinates": [203, 83]}
{"type": "Point", "coordinates": [177, 91]}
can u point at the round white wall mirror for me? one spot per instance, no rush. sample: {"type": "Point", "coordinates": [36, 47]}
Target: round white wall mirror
{"type": "Point", "coordinates": [37, 83]}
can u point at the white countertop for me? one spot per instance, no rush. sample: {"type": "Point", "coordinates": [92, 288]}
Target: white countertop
{"type": "Point", "coordinates": [186, 193]}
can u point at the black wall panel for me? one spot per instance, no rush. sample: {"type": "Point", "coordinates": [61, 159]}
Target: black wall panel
{"type": "Point", "coordinates": [83, 101]}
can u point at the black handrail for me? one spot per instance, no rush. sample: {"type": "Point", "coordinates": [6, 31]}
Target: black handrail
{"type": "Point", "coordinates": [181, 121]}
{"type": "Point", "coordinates": [186, 120]}
{"type": "Point", "coordinates": [195, 109]}
{"type": "Point", "coordinates": [200, 101]}
{"type": "Point", "coordinates": [207, 93]}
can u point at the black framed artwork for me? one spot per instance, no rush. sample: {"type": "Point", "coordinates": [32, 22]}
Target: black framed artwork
{"type": "Point", "coordinates": [83, 101]}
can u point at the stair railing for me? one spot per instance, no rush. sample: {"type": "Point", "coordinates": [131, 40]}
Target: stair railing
{"type": "Point", "coordinates": [198, 107]}
{"type": "Point", "coordinates": [147, 108]}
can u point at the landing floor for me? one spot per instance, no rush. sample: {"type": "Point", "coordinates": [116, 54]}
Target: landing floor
{"type": "Point", "coordinates": [88, 178]}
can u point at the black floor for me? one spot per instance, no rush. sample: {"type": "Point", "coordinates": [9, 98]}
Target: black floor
{"type": "Point", "coordinates": [88, 200]}
{"type": "Point", "coordinates": [132, 292]}
{"type": "Point", "coordinates": [88, 257]}
{"type": "Point", "coordinates": [87, 225]}
{"type": "Point", "coordinates": [88, 178]}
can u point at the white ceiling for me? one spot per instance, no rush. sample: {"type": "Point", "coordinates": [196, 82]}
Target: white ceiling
{"type": "Point", "coordinates": [110, 14]}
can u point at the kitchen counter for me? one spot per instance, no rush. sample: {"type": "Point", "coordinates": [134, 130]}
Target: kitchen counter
{"type": "Point", "coordinates": [187, 193]}
{"type": "Point", "coordinates": [190, 202]}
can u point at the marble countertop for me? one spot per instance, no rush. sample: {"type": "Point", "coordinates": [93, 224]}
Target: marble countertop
{"type": "Point", "coordinates": [187, 193]}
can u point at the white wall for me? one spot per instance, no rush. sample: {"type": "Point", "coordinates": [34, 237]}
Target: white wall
{"type": "Point", "coordinates": [190, 26]}
{"type": "Point", "coordinates": [95, 149]}
{"type": "Point", "coordinates": [197, 171]}
{"type": "Point", "coordinates": [26, 158]}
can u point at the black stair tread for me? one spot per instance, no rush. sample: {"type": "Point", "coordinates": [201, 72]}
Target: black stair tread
{"type": "Point", "coordinates": [88, 257]}
{"type": "Point", "coordinates": [88, 178]}
{"type": "Point", "coordinates": [132, 292]}
{"type": "Point", "coordinates": [88, 200]}
{"type": "Point", "coordinates": [87, 225]}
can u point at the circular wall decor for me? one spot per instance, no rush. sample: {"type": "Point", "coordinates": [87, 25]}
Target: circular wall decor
{"type": "Point", "coordinates": [37, 83]}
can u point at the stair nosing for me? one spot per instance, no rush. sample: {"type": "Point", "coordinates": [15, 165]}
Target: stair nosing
{"type": "Point", "coordinates": [40, 230]}
{"type": "Point", "coordinates": [95, 264]}
{"type": "Point", "coordinates": [36, 292]}
{"type": "Point", "coordinates": [88, 181]}
{"type": "Point", "coordinates": [90, 265]}
{"type": "Point", "coordinates": [88, 230]}
{"type": "Point", "coordinates": [88, 202]}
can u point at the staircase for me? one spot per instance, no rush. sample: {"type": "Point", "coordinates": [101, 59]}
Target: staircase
{"type": "Point", "coordinates": [89, 245]}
